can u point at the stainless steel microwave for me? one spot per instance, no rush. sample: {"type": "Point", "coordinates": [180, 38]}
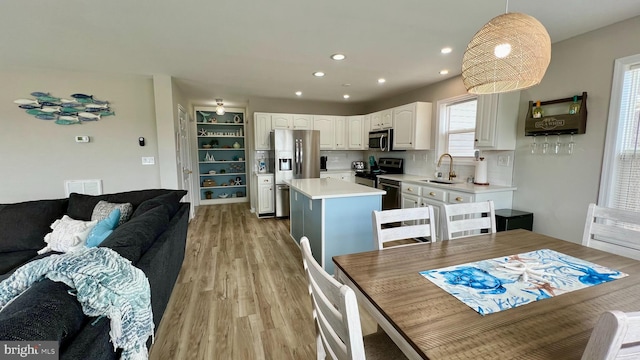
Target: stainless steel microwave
{"type": "Point", "coordinates": [381, 140]}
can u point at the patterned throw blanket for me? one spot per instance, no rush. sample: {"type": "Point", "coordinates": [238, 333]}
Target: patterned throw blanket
{"type": "Point", "coordinates": [106, 284]}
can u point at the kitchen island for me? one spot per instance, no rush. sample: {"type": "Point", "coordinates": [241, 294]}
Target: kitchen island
{"type": "Point", "coordinates": [335, 215]}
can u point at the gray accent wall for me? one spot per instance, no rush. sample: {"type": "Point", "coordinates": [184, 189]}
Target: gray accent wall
{"type": "Point", "coordinates": [558, 189]}
{"type": "Point", "coordinates": [37, 156]}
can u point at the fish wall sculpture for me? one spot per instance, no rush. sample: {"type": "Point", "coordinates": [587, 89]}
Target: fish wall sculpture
{"type": "Point", "coordinates": [80, 108]}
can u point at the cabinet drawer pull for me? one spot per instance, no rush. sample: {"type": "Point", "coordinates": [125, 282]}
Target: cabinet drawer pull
{"type": "Point", "coordinates": [410, 189]}
{"type": "Point", "coordinates": [459, 198]}
{"type": "Point", "coordinates": [432, 193]}
{"type": "Point", "coordinates": [265, 180]}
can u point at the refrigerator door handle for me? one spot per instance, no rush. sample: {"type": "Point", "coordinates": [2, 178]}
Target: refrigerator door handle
{"type": "Point", "coordinates": [301, 157]}
{"type": "Point", "coordinates": [297, 156]}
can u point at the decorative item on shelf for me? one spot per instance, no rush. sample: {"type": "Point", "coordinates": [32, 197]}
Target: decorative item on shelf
{"type": "Point", "coordinates": [223, 195]}
{"type": "Point", "coordinates": [214, 120]}
{"type": "Point", "coordinates": [208, 194]}
{"type": "Point", "coordinates": [212, 172]}
{"type": "Point", "coordinates": [237, 119]}
{"type": "Point", "coordinates": [239, 194]}
{"type": "Point", "coordinates": [238, 181]}
{"type": "Point", "coordinates": [232, 182]}
{"type": "Point", "coordinates": [236, 145]}
{"type": "Point", "coordinates": [223, 171]}
{"type": "Point", "coordinates": [537, 111]}
{"type": "Point", "coordinates": [209, 182]}
{"type": "Point", "coordinates": [510, 52]}
{"type": "Point", "coordinates": [214, 143]}
{"type": "Point", "coordinates": [209, 157]}
{"type": "Point", "coordinates": [206, 146]}
{"type": "Point", "coordinates": [202, 132]}
{"type": "Point", "coordinates": [65, 111]}
{"type": "Point", "coordinates": [204, 116]}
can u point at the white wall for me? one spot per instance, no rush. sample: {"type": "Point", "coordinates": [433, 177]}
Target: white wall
{"type": "Point", "coordinates": [558, 189]}
{"type": "Point", "coordinates": [36, 156]}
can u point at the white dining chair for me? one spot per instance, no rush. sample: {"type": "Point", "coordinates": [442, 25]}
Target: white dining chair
{"type": "Point", "coordinates": [613, 230]}
{"type": "Point", "coordinates": [615, 336]}
{"type": "Point", "coordinates": [469, 219]}
{"type": "Point", "coordinates": [415, 223]}
{"type": "Point", "coordinates": [336, 318]}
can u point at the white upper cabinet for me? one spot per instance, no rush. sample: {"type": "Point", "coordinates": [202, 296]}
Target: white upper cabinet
{"type": "Point", "coordinates": [281, 121]}
{"type": "Point", "coordinates": [382, 119]}
{"type": "Point", "coordinates": [412, 126]}
{"type": "Point", "coordinates": [496, 121]}
{"type": "Point", "coordinates": [340, 132]}
{"type": "Point", "coordinates": [366, 127]}
{"type": "Point", "coordinates": [326, 125]}
{"type": "Point", "coordinates": [292, 121]}
{"type": "Point", "coordinates": [262, 127]}
{"type": "Point", "coordinates": [355, 129]}
{"type": "Point", "coordinates": [302, 122]}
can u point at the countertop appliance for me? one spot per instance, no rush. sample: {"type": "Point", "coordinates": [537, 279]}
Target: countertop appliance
{"type": "Point", "coordinates": [296, 155]}
{"type": "Point", "coordinates": [323, 163]}
{"type": "Point", "coordinates": [384, 166]}
{"type": "Point", "coordinates": [358, 166]}
{"type": "Point", "coordinates": [381, 140]}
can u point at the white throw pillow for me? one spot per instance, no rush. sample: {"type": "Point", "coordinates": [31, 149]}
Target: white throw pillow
{"type": "Point", "coordinates": [68, 235]}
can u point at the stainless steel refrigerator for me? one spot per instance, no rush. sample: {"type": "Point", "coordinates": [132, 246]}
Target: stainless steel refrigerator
{"type": "Point", "coordinates": [296, 155]}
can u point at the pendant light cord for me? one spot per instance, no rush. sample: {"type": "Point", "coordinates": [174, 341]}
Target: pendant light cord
{"type": "Point", "coordinates": [506, 8]}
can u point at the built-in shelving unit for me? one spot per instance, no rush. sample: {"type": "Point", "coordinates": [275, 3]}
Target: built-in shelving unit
{"type": "Point", "coordinates": [221, 155]}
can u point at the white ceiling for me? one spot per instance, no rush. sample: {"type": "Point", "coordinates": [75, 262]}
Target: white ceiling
{"type": "Point", "coordinates": [242, 48]}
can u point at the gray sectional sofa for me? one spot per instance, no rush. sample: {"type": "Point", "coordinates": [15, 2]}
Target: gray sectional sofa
{"type": "Point", "coordinates": [153, 239]}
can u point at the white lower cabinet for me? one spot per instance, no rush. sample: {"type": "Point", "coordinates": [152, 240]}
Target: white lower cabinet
{"type": "Point", "coordinates": [266, 195]}
{"type": "Point", "coordinates": [418, 195]}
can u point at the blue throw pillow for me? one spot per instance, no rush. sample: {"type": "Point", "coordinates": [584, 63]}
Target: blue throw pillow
{"type": "Point", "coordinates": [103, 229]}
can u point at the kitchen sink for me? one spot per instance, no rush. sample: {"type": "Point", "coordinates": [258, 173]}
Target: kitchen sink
{"type": "Point", "coordinates": [447, 182]}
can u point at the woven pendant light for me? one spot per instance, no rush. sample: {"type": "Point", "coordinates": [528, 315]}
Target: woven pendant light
{"type": "Point", "coordinates": [511, 52]}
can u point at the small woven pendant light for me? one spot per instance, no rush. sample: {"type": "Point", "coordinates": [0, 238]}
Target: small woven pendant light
{"type": "Point", "coordinates": [511, 52]}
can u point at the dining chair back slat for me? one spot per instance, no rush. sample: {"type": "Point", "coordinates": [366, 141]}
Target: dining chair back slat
{"type": "Point", "coordinates": [613, 230]}
{"type": "Point", "coordinates": [468, 219]}
{"type": "Point", "coordinates": [615, 336]}
{"type": "Point", "coordinates": [415, 223]}
{"type": "Point", "coordinates": [335, 311]}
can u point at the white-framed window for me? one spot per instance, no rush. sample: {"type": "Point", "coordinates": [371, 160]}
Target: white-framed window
{"type": "Point", "coordinates": [457, 126]}
{"type": "Point", "coordinates": [620, 181]}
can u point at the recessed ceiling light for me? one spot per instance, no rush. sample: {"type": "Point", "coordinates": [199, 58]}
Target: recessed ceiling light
{"type": "Point", "coordinates": [444, 72]}
{"type": "Point", "coordinates": [346, 96]}
{"type": "Point", "coordinates": [318, 74]}
{"type": "Point", "coordinates": [338, 57]}
{"type": "Point", "coordinates": [299, 93]}
{"type": "Point", "coordinates": [446, 50]}
{"type": "Point", "coordinates": [346, 85]}
{"type": "Point", "coordinates": [382, 81]}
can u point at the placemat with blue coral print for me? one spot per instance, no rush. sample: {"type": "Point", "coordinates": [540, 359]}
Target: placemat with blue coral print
{"type": "Point", "coordinates": [506, 282]}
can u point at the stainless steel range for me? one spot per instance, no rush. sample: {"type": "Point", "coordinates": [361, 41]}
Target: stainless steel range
{"type": "Point", "coordinates": [370, 178]}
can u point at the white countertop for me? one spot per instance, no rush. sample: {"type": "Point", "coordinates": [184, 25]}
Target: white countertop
{"type": "Point", "coordinates": [462, 187]}
{"type": "Point", "coordinates": [332, 188]}
{"type": "Point", "coordinates": [332, 171]}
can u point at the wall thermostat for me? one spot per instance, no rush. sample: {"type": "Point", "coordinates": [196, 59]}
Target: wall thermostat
{"type": "Point", "coordinates": [82, 138]}
{"type": "Point", "coordinates": [141, 141]}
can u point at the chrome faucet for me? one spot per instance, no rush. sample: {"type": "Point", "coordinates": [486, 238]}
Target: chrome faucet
{"type": "Point", "coordinates": [452, 174]}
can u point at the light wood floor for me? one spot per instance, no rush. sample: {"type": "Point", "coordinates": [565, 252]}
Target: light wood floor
{"type": "Point", "coordinates": [241, 293]}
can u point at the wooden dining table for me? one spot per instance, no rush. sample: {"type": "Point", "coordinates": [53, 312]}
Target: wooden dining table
{"type": "Point", "coordinates": [427, 322]}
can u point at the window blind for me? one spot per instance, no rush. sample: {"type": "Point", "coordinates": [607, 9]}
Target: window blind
{"type": "Point", "coordinates": [461, 128]}
{"type": "Point", "coordinates": [626, 182]}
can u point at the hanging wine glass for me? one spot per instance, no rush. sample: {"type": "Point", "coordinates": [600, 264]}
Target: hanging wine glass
{"type": "Point", "coordinates": [570, 145]}
{"type": "Point", "coordinates": [557, 146]}
{"type": "Point", "coordinates": [545, 145]}
{"type": "Point", "coordinates": [534, 146]}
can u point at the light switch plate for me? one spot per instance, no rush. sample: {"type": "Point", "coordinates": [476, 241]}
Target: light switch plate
{"type": "Point", "coordinates": [148, 160]}
{"type": "Point", "coordinates": [504, 160]}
